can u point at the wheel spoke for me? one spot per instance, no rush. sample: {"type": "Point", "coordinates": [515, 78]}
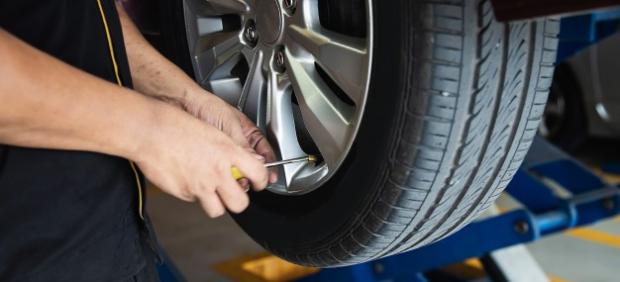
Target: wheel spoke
{"type": "Point", "coordinates": [218, 7]}
{"type": "Point", "coordinates": [216, 55]}
{"type": "Point", "coordinates": [256, 59]}
{"type": "Point", "coordinates": [230, 6]}
{"type": "Point", "coordinates": [253, 96]}
{"type": "Point", "coordinates": [326, 118]}
{"type": "Point", "coordinates": [226, 88]}
{"type": "Point", "coordinates": [342, 57]}
{"type": "Point", "coordinates": [281, 126]}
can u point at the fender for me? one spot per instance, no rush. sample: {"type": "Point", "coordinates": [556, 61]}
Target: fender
{"type": "Point", "coordinates": [507, 10]}
{"type": "Point", "coordinates": [145, 12]}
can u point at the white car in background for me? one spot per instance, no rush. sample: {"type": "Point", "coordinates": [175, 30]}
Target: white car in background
{"type": "Point", "coordinates": [584, 99]}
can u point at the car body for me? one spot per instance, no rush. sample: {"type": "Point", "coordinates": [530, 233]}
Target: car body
{"type": "Point", "coordinates": [596, 69]}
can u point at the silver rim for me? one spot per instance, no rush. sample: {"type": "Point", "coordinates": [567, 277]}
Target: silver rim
{"type": "Point", "coordinates": [292, 64]}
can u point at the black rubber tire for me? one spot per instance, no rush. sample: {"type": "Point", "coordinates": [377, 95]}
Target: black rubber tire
{"type": "Point", "coordinates": [454, 105]}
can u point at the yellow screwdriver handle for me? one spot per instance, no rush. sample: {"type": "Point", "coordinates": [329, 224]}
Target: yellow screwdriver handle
{"type": "Point", "coordinates": [236, 173]}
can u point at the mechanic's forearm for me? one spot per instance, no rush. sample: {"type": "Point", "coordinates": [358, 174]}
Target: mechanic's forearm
{"type": "Point", "coordinates": [152, 73]}
{"type": "Point", "coordinates": [45, 103]}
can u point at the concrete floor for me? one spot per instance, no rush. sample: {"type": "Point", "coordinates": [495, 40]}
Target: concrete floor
{"type": "Point", "coordinates": [195, 243]}
{"type": "Point", "coordinates": [580, 257]}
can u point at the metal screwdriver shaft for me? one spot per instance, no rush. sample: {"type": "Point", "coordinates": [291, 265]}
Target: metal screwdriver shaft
{"type": "Point", "coordinates": [236, 173]}
{"type": "Point", "coordinates": [308, 158]}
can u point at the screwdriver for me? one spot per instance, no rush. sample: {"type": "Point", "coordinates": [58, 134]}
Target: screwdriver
{"type": "Point", "coordinates": [236, 173]}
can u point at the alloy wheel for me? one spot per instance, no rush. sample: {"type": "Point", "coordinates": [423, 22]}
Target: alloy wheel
{"type": "Point", "coordinates": [303, 83]}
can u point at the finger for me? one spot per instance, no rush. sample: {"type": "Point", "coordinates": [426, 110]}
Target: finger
{"type": "Point", "coordinates": [233, 196]}
{"type": "Point", "coordinates": [250, 132]}
{"type": "Point", "coordinates": [273, 175]}
{"type": "Point", "coordinates": [252, 168]}
{"type": "Point", "coordinates": [236, 133]}
{"type": "Point", "coordinates": [245, 184]}
{"type": "Point", "coordinates": [264, 149]}
{"type": "Point", "coordinates": [258, 142]}
{"type": "Point", "coordinates": [261, 145]}
{"type": "Point", "coordinates": [187, 197]}
{"type": "Point", "coordinates": [212, 205]}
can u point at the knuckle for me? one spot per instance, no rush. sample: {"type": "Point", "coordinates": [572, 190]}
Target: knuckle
{"type": "Point", "coordinates": [206, 189]}
{"type": "Point", "coordinates": [209, 189]}
{"type": "Point", "coordinates": [200, 190]}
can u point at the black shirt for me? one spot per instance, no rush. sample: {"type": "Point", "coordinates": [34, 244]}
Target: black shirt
{"type": "Point", "coordinates": [68, 215]}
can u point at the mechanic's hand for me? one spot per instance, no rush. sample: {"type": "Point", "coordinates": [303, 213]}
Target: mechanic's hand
{"type": "Point", "coordinates": [191, 160]}
{"type": "Point", "coordinates": [240, 128]}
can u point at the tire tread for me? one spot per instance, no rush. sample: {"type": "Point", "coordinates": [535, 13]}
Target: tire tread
{"type": "Point", "coordinates": [462, 137]}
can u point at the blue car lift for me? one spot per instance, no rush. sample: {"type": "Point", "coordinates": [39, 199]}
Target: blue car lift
{"type": "Point", "coordinates": [545, 211]}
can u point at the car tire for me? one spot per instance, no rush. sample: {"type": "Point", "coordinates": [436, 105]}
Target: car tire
{"type": "Point", "coordinates": [565, 121]}
{"type": "Point", "coordinates": [454, 103]}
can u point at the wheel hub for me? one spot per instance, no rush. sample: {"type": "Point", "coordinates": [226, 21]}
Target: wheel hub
{"type": "Point", "coordinates": [303, 84]}
{"type": "Point", "coordinates": [269, 19]}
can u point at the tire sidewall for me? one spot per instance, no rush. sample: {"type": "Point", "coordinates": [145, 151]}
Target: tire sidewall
{"type": "Point", "coordinates": [302, 224]}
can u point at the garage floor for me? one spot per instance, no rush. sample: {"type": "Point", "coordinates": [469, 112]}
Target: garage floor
{"type": "Point", "coordinates": [193, 241]}
{"type": "Point", "coordinates": [196, 243]}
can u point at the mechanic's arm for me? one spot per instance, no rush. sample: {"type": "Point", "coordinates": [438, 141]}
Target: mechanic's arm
{"type": "Point", "coordinates": [152, 73]}
{"type": "Point", "coordinates": [156, 76]}
{"type": "Point", "coordinates": [45, 103]}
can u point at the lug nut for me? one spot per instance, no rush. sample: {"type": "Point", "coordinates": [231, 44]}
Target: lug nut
{"type": "Point", "coordinates": [250, 34]}
{"type": "Point", "coordinates": [279, 60]}
{"type": "Point", "coordinates": [290, 5]}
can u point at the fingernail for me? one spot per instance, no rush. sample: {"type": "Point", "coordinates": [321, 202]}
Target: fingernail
{"type": "Point", "coordinates": [259, 157]}
{"type": "Point", "coordinates": [273, 177]}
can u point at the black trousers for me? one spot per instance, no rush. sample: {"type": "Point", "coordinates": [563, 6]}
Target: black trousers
{"type": "Point", "coordinates": [152, 255]}
{"type": "Point", "coordinates": [148, 272]}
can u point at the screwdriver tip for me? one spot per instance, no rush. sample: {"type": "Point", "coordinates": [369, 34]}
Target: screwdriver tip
{"type": "Point", "coordinates": [312, 158]}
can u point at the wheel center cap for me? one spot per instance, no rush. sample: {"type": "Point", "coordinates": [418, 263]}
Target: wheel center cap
{"type": "Point", "coordinates": [269, 20]}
